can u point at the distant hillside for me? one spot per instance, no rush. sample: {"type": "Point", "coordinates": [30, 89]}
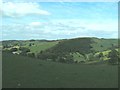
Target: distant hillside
{"type": "Point", "coordinates": [77, 50]}
{"type": "Point", "coordinates": [81, 50]}
{"type": "Point", "coordinates": [35, 46]}
{"type": "Point", "coordinates": [82, 45]}
{"type": "Point", "coordinates": [104, 44]}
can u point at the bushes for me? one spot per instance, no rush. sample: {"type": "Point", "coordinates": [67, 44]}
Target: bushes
{"type": "Point", "coordinates": [46, 55]}
{"type": "Point", "coordinates": [24, 50]}
{"type": "Point", "coordinates": [82, 62]}
{"type": "Point", "coordinates": [13, 49]}
{"type": "Point", "coordinates": [69, 58]}
{"type": "Point", "coordinates": [30, 54]}
{"type": "Point", "coordinates": [60, 57]}
{"type": "Point", "coordinates": [91, 57]}
{"type": "Point", "coordinates": [100, 55]}
{"type": "Point", "coordinates": [113, 55]}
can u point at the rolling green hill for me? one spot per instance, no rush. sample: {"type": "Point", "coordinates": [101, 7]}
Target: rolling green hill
{"type": "Point", "coordinates": [41, 46]}
{"type": "Point", "coordinates": [34, 45]}
{"type": "Point", "coordinates": [85, 45]}
{"type": "Point", "coordinates": [81, 50]}
{"type": "Point", "coordinates": [84, 63]}
{"type": "Point", "coordinates": [24, 72]}
{"type": "Point", "coordinates": [103, 44]}
{"type": "Point", "coordinates": [76, 50]}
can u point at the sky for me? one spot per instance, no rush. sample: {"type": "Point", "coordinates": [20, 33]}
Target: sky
{"type": "Point", "coordinates": [58, 20]}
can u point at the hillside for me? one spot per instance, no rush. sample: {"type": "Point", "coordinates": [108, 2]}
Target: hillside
{"type": "Point", "coordinates": [24, 72]}
{"type": "Point", "coordinates": [81, 50]}
{"type": "Point", "coordinates": [76, 50]}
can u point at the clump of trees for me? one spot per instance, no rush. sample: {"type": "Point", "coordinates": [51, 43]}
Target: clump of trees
{"type": "Point", "coordinates": [100, 56]}
{"type": "Point", "coordinates": [31, 44]}
{"type": "Point", "coordinates": [92, 56]}
{"type": "Point", "coordinates": [13, 49]}
{"type": "Point", "coordinates": [113, 57]}
{"type": "Point", "coordinates": [24, 51]}
{"type": "Point", "coordinates": [6, 46]}
{"type": "Point", "coordinates": [31, 54]}
{"type": "Point", "coordinates": [57, 57]}
{"type": "Point", "coordinates": [46, 55]}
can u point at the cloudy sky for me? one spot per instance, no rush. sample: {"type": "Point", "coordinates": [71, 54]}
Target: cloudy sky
{"type": "Point", "coordinates": [58, 20]}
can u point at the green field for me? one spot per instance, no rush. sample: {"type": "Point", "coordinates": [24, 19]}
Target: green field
{"type": "Point", "coordinates": [78, 50]}
{"type": "Point", "coordinates": [103, 44]}
{"type": "Point", "coordinates": [36, 48]}
{"type": "Point", "coordinates": [25, 72]}
{"type": "Point", "coordinates": [41, 46]}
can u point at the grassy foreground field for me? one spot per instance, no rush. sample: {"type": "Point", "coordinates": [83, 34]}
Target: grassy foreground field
{"type": "Point", "coordinates": [25, 72]}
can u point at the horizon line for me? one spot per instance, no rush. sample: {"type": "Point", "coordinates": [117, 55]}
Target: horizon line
{"type": "Point", "coordinates": [55, 39]}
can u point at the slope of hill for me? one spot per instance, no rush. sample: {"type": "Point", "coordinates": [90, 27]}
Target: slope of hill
{"type": "Point", "coordinates": [86, 45]}
{"type": "Point", "coordinates": [25, 72]}
{"type": "Point", "coordinates": [37, 47]}
{"type": "Point", "coordinates": [104, 44]}
{"type": "Point", "coordinates": [77, 50]}
{"type": "Point", "coordinates": [80, 50]}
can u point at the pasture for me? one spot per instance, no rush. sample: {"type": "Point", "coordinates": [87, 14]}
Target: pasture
{"type": "Point", "coordinates": [25, 72]}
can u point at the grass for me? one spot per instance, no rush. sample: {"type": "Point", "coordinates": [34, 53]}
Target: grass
{"type": "Point", "coordinates": [78, 57]}
{"type": "Point", "coordinates": [103, 44]}
{"type": "Point", "coordinates": [25, 72]}
{"type": "Point", "coordinates": [105, 54]}
{"type": "Point", "coordinates": [41, 46]}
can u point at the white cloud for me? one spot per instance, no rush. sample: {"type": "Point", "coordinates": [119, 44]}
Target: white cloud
{"type": "Point", "coordinates": [35, 24]}
{"type": "Point", "coordinates": [21, 9]}
{"type": "Point", "coordinates": [103, 26]}
{"type": "Point", "coordinates": [85, 25]}
{"type": "Point", "coordinates": [63, 29]}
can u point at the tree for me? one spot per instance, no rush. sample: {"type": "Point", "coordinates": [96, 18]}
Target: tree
{"type": "Point", "coordinates": [82, 62]}
{"type": "Point", "coordinates": [60, 59]}
{"type": "Point", "coordinates": [41, 52]}
{"type": "Point", "coordinates": [101, 46]}
{"type": "Point", "coordinates": [91, 56]}
{"type": "Point", "coordinates": [13, 49]}
{"type": "Point", "coordinates": [6, 46]}
{"type": "Point", "coordinates": [30, 44]}
{"type": "Point", "coordinates": [101, 56]}
{"type": "Point", "coordinates": [112, 45]}
{"type": "Point", "coordinates": [30, 54]}
{"type": "Point", "coordinates": [113, 57]}
{"type": "Point", "coordinates": [85, 56]}
{"type": "Point", "coordinates": [24, 50]}
{"type": "Point", "coordinates": [69, 59]}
